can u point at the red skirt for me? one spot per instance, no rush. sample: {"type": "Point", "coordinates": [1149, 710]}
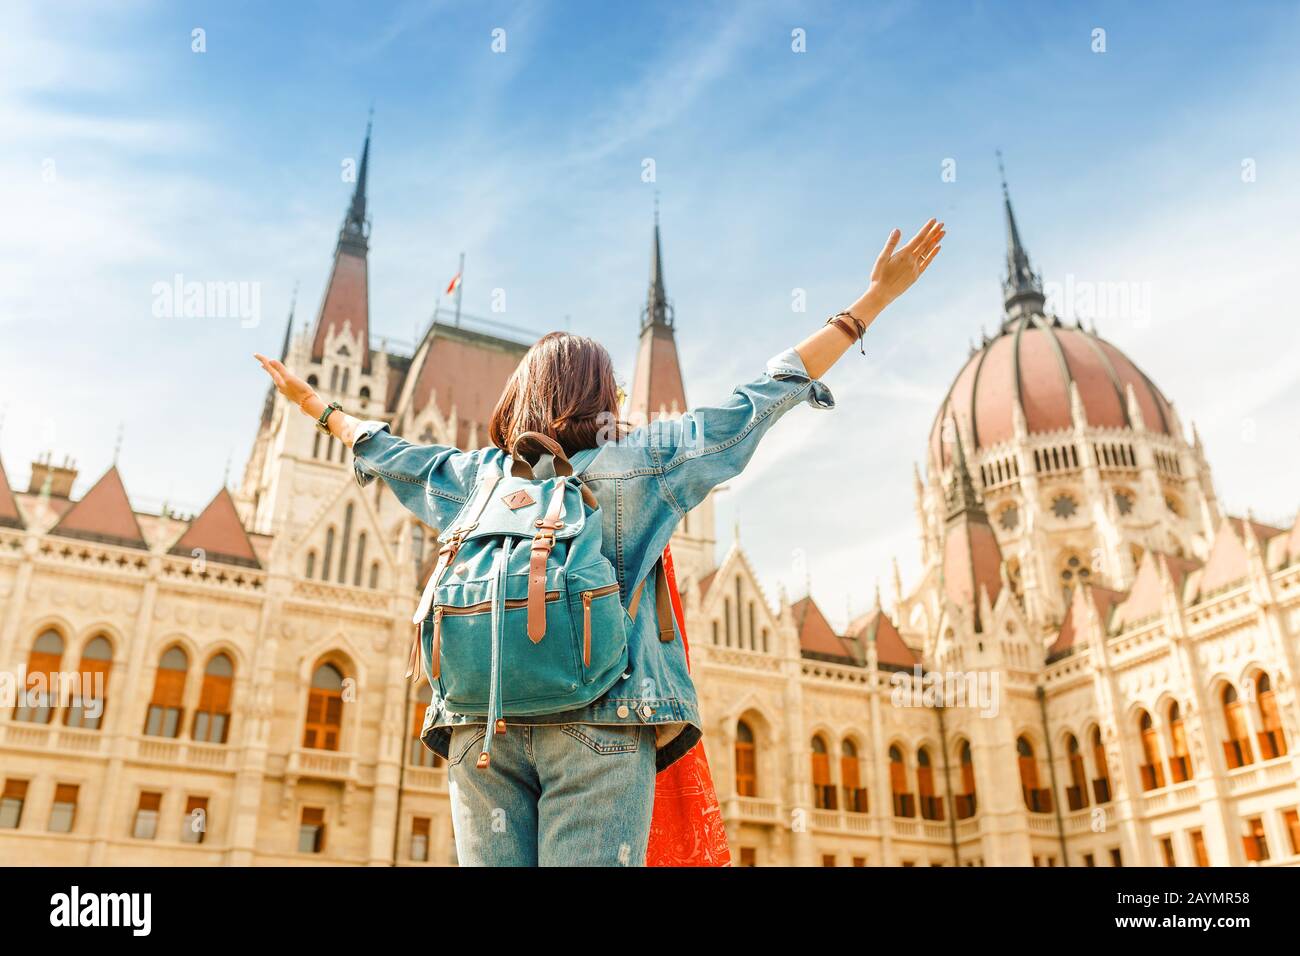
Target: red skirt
{"type": "Point", "coordinates": [686, 829]}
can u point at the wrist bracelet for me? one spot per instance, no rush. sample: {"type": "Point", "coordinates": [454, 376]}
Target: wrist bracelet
{"type": "Point", "coordinates": [838, 321]}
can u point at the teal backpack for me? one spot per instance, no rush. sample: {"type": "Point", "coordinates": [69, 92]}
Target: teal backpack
{"type": "Point", "coordinates": [521, 587]}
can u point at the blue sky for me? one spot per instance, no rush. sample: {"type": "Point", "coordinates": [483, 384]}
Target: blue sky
{"type": "Point", "coordinates": [126, 158]}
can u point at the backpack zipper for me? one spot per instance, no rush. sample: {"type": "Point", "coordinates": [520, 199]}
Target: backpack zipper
{"type": "Point", "coordinates": [587, 598]}
{"type": "Point", "coordinates": [435, 644]}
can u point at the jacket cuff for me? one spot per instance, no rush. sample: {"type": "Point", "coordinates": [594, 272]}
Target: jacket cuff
{"type": "Point", "coordinates": [788, 365]}
{"type": "Point", "coordinates": [364, 431]}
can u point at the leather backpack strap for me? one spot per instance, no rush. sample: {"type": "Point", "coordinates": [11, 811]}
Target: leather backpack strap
{"type": "Point", "coordinates": [521, 467]}
{"type": "Point", "coordinates": [543, 542]}
{"type": "Point", "coordinates": [663, 602]}
{"type": "Point", "coordinates": [446, 554]}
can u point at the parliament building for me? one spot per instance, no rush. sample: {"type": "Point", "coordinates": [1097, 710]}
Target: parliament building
{"type": "Point", "coordinates": [1096, 666]}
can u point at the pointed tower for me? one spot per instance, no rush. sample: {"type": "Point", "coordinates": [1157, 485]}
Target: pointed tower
{"type": "Point", "coordinates": [1022, 288]}
{"type": "Point", "coordinates": [657, 384]}
{"type": "Point", "coordinates": [972, 560]}
{"type": "Point", "coordinates": [657, 391]}
{"type": "Point", "coordinates": [293, 469]}
{"type": "Point", "coordinates": [346, 304]}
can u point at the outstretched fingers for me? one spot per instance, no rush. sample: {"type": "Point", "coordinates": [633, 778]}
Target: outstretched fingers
{"type": "Point", "coordinates": [890, 244]}
{"type": "Point", "coordinates": [918, 240]}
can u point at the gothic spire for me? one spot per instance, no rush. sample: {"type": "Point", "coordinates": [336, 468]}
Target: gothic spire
{"type": "Point", "coordinates": [657, 380]}
{"type": "Point", "coordinates": [356, 231]}
{"type": "Point", "coordinates": [962, 497]}
{"type": "Point", "coordinates": [1022, 287]}
{"type": "Point", "coordinates": [346, 305]}
{"type": "Point", "coordinates": [657, 310]}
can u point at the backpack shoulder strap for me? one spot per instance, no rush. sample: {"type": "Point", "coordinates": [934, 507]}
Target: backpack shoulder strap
{"type": "Point", "coordinates": [663, 602]}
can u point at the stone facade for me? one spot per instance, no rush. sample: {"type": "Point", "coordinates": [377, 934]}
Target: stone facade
{"type": "Point", "coordinates": [1129, 665]}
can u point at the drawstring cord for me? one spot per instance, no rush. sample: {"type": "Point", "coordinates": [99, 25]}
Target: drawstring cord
{"type": "Point", "coordinates": [495, 722]}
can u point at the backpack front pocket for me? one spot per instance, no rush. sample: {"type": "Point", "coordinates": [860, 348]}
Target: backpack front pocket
{"type": "Point", "coordinates": [602, 638]}
{"type": "Point", "coordinates": [535, 677]}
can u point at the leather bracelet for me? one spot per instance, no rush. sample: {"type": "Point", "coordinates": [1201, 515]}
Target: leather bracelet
{"type": "Point", "coordinates": [838, 321]}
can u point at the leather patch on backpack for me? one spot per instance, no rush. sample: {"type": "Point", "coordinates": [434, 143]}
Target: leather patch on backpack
{"type": "Point", "coordinates": [518, 499]}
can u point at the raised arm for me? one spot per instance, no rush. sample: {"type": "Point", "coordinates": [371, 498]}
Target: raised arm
{"type": "Point", "coordinates": [431, 481]}
{"type": "Point", "coordinates": [708, 445]}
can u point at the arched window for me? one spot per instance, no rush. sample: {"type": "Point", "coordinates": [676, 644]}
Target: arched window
{"type": "Point", "coordinates": [1153, 771]}
{"type": "Point", "coordinates": [1037, 799]}
{"type": "Point", "coordinates": [417, 754]}
{"type": "Point", "coordinates": [1272, 739]}
{"type": "Point", "coordinates": [855, 794]}
{"type": "Point", "coordinates": [90, 697]}
{"type": "Point", "coordinates": [726, 619]}
{"type": "Point", "coordinates": [324, 709]}
{"type": "Point", "coordinates": [753, 634]}
{"type": "Point", "coordinates": [1237, 747]}
{"type": "Point", "coordinates": [334, 379]}
{"type": "Point", "coordinates": [823, 787]}
{"type": "Point", "coordinates": [361, 559]}
{"type": "Point", "coordinates": [904, 802]}
{"type": "Point", "coordinates": [1101, 782]}
{"type": "Point", "coordinates": [1180, 761]}
{"type": "Point", "coordinates": [746, 776]}
{"type": "Point", "coordinates": [1076, 795]}
{"type": "Point", "coordinates": [37, 704]}
{"type": "Point", "coordinates": [374, 576]}
{"type": "Point", "coordinates": [931, 805]}
{"type": "Point", "coordinates": [965, 803]}
{"type": "Point", "coordinates": [212, 719]}
{"type": "Point", "coordinates": [311, 564]}
{"type": "Point", "coordinates": [163, 718]}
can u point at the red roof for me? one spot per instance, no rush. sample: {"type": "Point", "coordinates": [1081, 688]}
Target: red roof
{"type": "Point", "coordinates": [1103, 599]}
{"type": "Point", "coordinates": [9, 514]}
{"type": "Point", "coordinates": [346, 305]}
{"type": "Point", "coordinates": [816, 636]}
{"type": "Point", "coordinates": [462, 370]}
{"type": "Point", "coordinates": [657, 379]}
{"type": "Point", "coordinates": [219, 534]}
{"type": "Point", "coordinates": [1145, 598]}
{"type": "Point", "coordinates": [104, 513]}
{"type": "Point", "coordinates": [891, 651]}
{"type": "Point", "coordinates": [1036, 361]}
{"type": "Point", "coordinates": [1227, 563]}
{"type": "Point", "coordinates": [971, 560]}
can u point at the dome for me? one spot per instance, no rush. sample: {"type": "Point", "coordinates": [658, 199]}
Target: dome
{"type": "Point", "coordinates": [1035, 359]}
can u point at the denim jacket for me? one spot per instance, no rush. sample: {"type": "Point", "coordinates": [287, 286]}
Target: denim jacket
{"type": "Point", "coordinates": [645, 482]}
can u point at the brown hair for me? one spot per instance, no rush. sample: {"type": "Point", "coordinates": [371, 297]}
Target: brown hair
{"type": "Point", "coordinates": [564, 388]}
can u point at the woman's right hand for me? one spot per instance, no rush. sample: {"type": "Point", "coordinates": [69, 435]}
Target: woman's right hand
{"type": "Point", "coordinates": [896, 269]}
{"type": "Point", "coordinates": [286, 383]}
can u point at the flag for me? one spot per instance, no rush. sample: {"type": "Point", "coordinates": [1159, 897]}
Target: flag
{"type": "Point", "coordinates": [453, 285]}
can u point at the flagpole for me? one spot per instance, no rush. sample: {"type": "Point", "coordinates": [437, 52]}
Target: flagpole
{"type": "Point", "coordinates": [460, 287]}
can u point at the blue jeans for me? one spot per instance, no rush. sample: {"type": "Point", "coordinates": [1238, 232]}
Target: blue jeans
{"type": "Point", "coordinates": [554, 795]}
